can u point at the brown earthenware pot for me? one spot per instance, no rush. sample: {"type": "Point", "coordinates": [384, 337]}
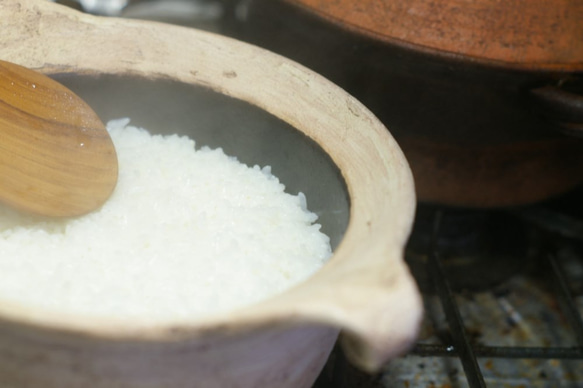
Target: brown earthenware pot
{"type": "Point", "coordinates": [484, 97]}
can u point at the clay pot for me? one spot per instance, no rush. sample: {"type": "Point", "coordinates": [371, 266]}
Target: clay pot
{"type": "Point", "coordinates": [484, 97]}
{"type": "Point", "coordinates": [263, 109]}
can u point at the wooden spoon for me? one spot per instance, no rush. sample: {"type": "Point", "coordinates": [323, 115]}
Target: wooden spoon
{"type": "Point", "coordinates": [56, 157]}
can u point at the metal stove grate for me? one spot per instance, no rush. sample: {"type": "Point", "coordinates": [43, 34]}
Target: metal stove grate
{"type": "Point", "coordinates": [458, 359]}
{"type": "Point", "coordinates": [468, 354]}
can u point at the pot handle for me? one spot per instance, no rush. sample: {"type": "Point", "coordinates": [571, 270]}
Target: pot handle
{"type": "Point", "coordinates": [378, 310]}
{"type": "Point", "coordinates": [562, 107]}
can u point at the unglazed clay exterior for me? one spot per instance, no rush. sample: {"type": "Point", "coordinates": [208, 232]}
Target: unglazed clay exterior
{"type": "Point", "coordinates": [365, 292]}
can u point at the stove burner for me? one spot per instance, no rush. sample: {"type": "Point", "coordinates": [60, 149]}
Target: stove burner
{"type": "Point", "coordinates": [479, 249]}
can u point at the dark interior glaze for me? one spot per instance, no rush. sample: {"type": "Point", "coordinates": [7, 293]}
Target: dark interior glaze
{"type": "Point", "coordinates": [242, 130]}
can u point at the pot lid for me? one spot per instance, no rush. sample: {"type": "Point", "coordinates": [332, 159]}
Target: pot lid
{"type": "Point", "coordinates": [533, 34]}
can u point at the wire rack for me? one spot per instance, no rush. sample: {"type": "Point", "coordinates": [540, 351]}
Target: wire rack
{"type": "Point", "coordinates": [459, 345]}
{"type": "Point", "coordinates": [468, 354]}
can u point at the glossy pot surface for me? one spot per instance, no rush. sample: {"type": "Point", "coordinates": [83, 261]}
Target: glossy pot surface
{"type": "Point", "coordinates": [476, 130]}
{"type": "Point", "coordinates": [528, 35]}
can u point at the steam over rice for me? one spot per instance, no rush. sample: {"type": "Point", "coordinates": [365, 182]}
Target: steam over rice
{"type": "Point", "coordinates": [185, 234]}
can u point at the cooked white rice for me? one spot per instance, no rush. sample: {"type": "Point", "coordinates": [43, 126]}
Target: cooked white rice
{"type": "Point", "coordinates": [185, 234]}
